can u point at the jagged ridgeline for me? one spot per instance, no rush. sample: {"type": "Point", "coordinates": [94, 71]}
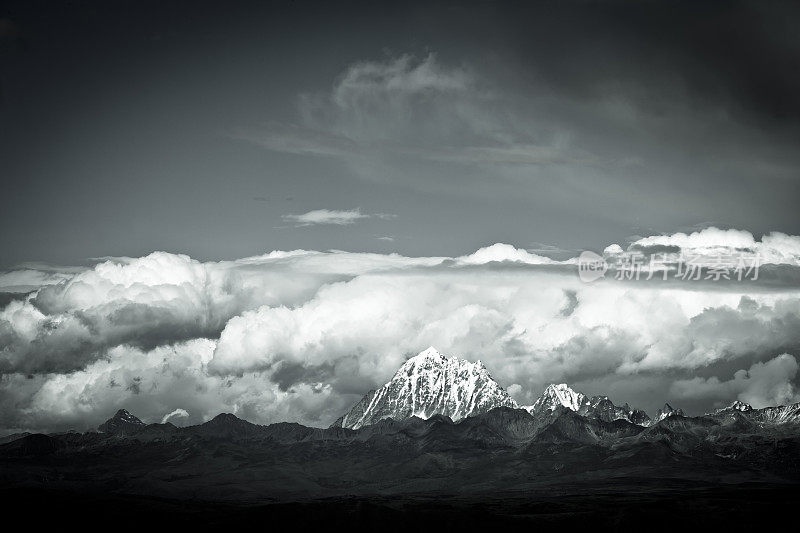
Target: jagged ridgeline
{"type": "Point", "coordinates": [432, 384]}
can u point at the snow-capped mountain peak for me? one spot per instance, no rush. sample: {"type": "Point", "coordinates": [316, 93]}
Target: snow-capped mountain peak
{"type": "Point", "coordinates": [561, 395]}
{"type": "Point", "coordinates": [556, 395]}
{"type": "Point", "coordinates": [430, 384]}
{"type": "Point", "coordinates": [667, 411]}
{"type": "Point", "coordinates": [735, 406]}
{"type": "Point", "coordinates": [425, 360]}
{"type": "Point", "coordinates": [741, 406]}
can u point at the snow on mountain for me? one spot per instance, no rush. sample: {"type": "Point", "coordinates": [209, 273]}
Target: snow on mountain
{"type": "Point", "coordinates": [666, 412]}
{"type": "Point", "coordinates": [121, 422]}
{"type": "Point", "coordinates": [768, 416]}
{"type": "Point", "coordinates": [600, 407]}
{"type": "Point", "coordinates": [430, 384]}
{"type": "Point", "coordinates": [559, 395]}
{"type": "Point", "coordinates": [735, 406]}
{"type": "Point", "coordinates": [782, 414]}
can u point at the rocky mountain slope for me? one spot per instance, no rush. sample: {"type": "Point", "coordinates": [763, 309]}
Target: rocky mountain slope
{"type": "Point", "coordinates": [432, 384]}
{"type": "Point", "coordinates": [600, 407]}
{"type": "Point", "coordinates": [426, 385]}
{"type": "Point", "coordinates": [121, 423]}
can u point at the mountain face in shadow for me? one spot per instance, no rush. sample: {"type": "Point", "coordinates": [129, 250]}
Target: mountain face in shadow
{"type": "Point", "coordinates": [121, 423]}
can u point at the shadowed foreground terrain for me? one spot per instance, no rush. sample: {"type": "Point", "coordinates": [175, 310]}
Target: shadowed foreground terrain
{"type": "Point", "coordinates": [504, 467]}
{"type": "Point", "coordinates": [646, 506]}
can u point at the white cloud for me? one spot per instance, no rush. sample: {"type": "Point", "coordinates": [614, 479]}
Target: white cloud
{"type": "Point", "coordinates": [773, 248]}
{"type": "Point", "coordinates": [177, 413]}
{"type": "Point", "coordinates": [332, 217]}
{"type": "Point", "coordinates": [298, 335]}
{"type": "Point", "coordinates": [503, 252]}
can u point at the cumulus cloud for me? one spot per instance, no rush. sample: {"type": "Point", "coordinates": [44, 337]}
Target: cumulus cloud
{"type": "Point", "coordinates": [149, 383]}
{"type": "Point", "coordinates": [332, 217]}
{"type": "Point", "coordinates": [773, 248]}
{"type": "Point", "coordinates": [299, 335]}
{"type": "Point", "coordinates": [503, 252]}
{"type": "Point", "coordinates": [763, 384]}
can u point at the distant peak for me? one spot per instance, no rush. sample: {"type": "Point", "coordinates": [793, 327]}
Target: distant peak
{"type": "Point", "coordinates": [668, 411]}
{"type": "Point", "coordinates": [735, 406]}
{"type": "Point", "coordinates": [430, 384]}
{"type": "Point", "coordinates": [740, 406]}
{"type": "Point", "coordinates": [225, 417]}
{"type": "Point", "coordinates": [122, 421]}
{"type": "Point", "coordinates": [559, 394]}
{"type": "Point", "coordinates": [125, 415]}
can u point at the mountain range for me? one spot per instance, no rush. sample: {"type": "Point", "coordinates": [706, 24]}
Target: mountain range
{"type": "Point", "coordinates": [434, 384]}
{"type": "Point", "coordinates": [440, 425]}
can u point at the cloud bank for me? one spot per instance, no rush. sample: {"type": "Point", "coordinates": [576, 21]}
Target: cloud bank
{"type": "Point", "coordinates": [300, 335]}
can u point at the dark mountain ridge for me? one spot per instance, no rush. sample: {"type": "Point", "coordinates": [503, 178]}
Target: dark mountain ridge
{"type": "Point", "coordinates": [507, 449]}
{"type": "Point", "coordinates": [441, 425]}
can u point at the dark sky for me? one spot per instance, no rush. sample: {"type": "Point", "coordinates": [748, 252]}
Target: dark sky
{"type": "Point", "coordinates": [202, 128]}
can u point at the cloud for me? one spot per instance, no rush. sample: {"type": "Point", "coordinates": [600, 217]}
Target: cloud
{"type": "Point", "coordinates": [763, 384]}
{"type": "Point", "coordinates": [545, 134]}
{"type": "Point", "coordinates": [30, 276]}
{"type": "Point", "coordinates": [300, 335]}
{"type": "Point", "coordinates": [503, 252]}
{"type": "Point", "coordinates": [773, 248]}
{"type": "Point", "coordinates": [403, 118]}
{"type": "Point", "coordinates": [149, 383]}
{"type": "Point", "coordinates": [332, 217]}
{"type": "Point", "coordinates": [177, 413]}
